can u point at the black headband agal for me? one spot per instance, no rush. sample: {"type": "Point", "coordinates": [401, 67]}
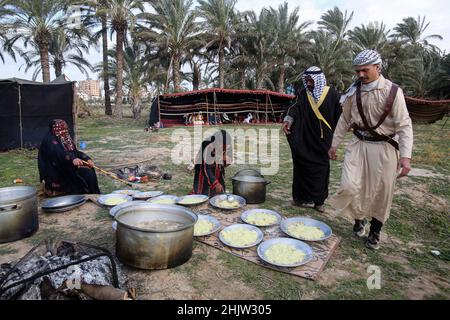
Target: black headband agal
{"type": "Point", "coordinates": [313, 72]}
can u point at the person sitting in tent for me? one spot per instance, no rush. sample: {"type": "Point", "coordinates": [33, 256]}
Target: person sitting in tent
{"type": "Point", "coordinates": [249, 118]}
{"type": "Point", "coordinates": [215, 154]}
{"type": "Point", "coordinates": [61, 165]}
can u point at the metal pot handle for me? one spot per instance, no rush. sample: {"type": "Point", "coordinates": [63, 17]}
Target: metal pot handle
{"type": "Point", "coordinates": [10, 207]}
{"type": "Point", "coordinates": [267, 182]}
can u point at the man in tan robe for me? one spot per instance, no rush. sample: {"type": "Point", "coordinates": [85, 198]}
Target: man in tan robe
{"type": "Point", "coordinates": [378, 151]}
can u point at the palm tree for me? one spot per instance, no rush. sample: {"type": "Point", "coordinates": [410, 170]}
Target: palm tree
{"type": "Point", "coordinates": [219, 24]}
{"type": "Point", "coordinates": [123, 17]}
{"type": "Point", "coordinates": [289, 39]}
{"type": "Point", "coordinates": [412, 31]}
{"type": "Point", "coordinates": [260, 35]}
{"type": "Point", "coordinates": [371, 36]}
{"type": "Point", "coordinates": [95, 15]}
{"type": "Point", "coordinates": [66, 47]}
{"type": "Point", "coordinates": [173, 30]}
{"type": "Point", "coordinates": [336, 23]}
{"type": "Point", "coordinates": [35, 21]}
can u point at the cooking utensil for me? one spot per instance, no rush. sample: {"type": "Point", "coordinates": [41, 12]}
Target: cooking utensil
{"type": "Point", "coordinates": [109, 174]}
{"type": "Point", "coordinates": [61, 202]}
{"type": "Point", "coordinates": [152, 248]}
{"type": "Point", "coordinates": [104, 197]}
{"type": "Point", "coordinates": [214, 221]}
{"type": "Point", "coordinates": [232, 227]}
{"type": "Point", "coordinates": [18, 213]}
{"type": "Point", "coordinates": [253, 189]}
{"type": "Point", "coordinates": [194, 200]}
{"type": "Point", "coordinates": [297, 244]}
{"type": "Point", "coordinates": [216, 201]}
{"type": "Point", "coordinates": [284, 225]}
{"type": "Point", "coordinates": [246, 214]}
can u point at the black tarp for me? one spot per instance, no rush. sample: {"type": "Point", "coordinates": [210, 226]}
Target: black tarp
{"type": "Point", "coordinates": [27, 107]}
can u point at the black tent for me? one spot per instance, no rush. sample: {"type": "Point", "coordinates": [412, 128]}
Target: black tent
{"type": "Point", "coordinates": [172, 109]}
{"type": "Point", "coordinates": [26, 108]}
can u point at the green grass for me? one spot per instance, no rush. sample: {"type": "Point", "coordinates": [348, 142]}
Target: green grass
{"type": "Point", "coordinates": [417, 224]}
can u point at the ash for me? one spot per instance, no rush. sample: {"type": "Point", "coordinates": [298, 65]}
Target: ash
{"type": "Point", "coordinates": [43, 258]}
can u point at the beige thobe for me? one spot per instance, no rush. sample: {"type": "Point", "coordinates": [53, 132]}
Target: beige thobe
{"type": "Point", "coordinates": [370, 169]}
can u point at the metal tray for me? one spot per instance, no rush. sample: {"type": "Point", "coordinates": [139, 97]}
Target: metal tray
{"type": "Point", "coordinates": [201, 199]}
{"type": "Point", "coordinates": [105, 197]}
{"type": "Point", "coordinates": [245, 215]}
{"type": "Point", "coordinates": [128, 192]}
{"type": "Point", "coordinates": [214, 201]}
{"type": "Point", "coordinates": [61, 202]}
{"type": "Point", "coordinates": [155, 200]}
{"type": "Point", "coordinates": [144, 195]}
{"type": "Point", "coordinates": [214, 221]}
{"type": "Point", "coordinates": [308, 222]}
{"type": "Point", "coordinates": [115, 209]}
{"type": "Point", "coordinates": [63, 209]}
{"type": "Point", "coordinates": [245, 226]}
{"type": "Point", "coordinates": [299, 245]}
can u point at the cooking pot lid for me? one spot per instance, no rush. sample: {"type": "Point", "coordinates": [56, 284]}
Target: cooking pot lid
{"type": "Point", "coordinates": [249, 179]}
{"type": "Point", "coordinates": [11, 194]}
{"type": "Point", "coordinates": [248, 172]}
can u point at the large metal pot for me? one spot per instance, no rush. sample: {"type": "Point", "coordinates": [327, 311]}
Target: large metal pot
{"type": "Point", "coordinates": [153, 248]}
{"type": "Point", "coordinates": [18, 213]}
{"type": "Point", "coordinates": [252, 188]}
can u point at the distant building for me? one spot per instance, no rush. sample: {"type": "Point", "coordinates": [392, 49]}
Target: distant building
{"type": "Point", "coordinates": [90, 88]}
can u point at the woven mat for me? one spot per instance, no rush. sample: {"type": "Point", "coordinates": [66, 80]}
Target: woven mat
{"type": "Point", "coordinates": [323, 250]}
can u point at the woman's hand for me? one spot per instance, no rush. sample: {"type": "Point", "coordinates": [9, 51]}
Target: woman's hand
{"type": "Point", "coordinates": [219, 188]}
{"type": "Point", "coordinates": [287, 127]}
{"type": "Point", "coordinates": [77, 162]}
{"type": "Point", "coordinates": [90, 163]}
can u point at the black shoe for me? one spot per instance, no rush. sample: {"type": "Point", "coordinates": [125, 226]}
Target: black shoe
{"type": "Point", "coordinates": [372, 240]}
{"type": "Point", "coordinates": [359, 228]}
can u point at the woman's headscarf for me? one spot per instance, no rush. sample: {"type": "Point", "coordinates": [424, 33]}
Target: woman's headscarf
{"type": "Point", "coordinates": [61, 130]}
{"type": "Point", "coordinates": [214, 149]}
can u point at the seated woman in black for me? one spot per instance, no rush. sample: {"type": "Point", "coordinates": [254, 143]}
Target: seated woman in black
{"type": "Point", "coordinates": [216, 153]}
{"type": "Point", "coordinates": [61, 166]}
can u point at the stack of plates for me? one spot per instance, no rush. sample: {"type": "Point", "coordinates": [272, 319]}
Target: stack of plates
{"type": "Point", "coordinates": [64, 203]}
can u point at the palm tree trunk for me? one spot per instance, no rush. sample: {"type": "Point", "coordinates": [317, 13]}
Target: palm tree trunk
{"type": "Point", "coordinates": [196, 77]}
{"type": "Point", "coordinates": [221, 67]}
{"type": "Point", "coordinates": [176, 72]}
{"type": "Point", "coordinates": [58, 68]}
{"type": "Point", "coordinates": [119, 57]}
{"type": "Point", "coordinates": [242, 79]}
{"type": "Point", "coordinates": [108, 108]}
{"type": "Point", "coordinates": [281, 79]}
{"type": "Point", "coordinates": [43, 52]}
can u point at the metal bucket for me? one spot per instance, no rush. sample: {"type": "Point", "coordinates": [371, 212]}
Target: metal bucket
{"type": "Point", "coordinates": [18, 213]}
{"type": "Point", "coordinates": [152, 248]}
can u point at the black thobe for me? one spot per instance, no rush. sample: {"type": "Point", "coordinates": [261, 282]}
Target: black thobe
{"type": "Point", "coordinates": [310, 140]}
{"type": "Point", "coordinates": [56, 168]}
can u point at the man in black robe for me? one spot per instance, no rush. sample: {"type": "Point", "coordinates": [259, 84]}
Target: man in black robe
{"type": "Point", "coordinates": [309, 125]}
{"type": "Point", "coordinates": [61, 164]}
{"type": "Point", "coordinates": [209, 174]}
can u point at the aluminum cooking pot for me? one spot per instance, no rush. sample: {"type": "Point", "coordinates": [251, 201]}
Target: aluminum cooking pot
{"type": "Point", "coordinates": [154, 248]}
{"type": "Point", "coordinates": [252, 188]}
{"type": "Point", "coordinates": [18, 213]}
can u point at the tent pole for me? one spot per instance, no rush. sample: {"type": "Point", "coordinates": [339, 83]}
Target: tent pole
{"type": "Point", "coordinates": [20, 116]}
{"type": "Point", "coordinates": [207, 112]}
{"type": "Point", "coordinates": [266, 107]}
{"type": "Point", "coordinates": [74, 115]}
{"type": "Point", "coordinates": [215, 110]}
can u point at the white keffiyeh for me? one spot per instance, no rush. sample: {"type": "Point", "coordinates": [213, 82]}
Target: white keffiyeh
{"type": "Point", "coordinates": [367, 57]}
{"type": "Point", "coordinates": [319, 81]}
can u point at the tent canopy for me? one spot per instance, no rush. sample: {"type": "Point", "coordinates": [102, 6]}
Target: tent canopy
{"type": "Point", "coordinates": [27, 107]}
{"type": "Point", "coordinates": [172, 109]}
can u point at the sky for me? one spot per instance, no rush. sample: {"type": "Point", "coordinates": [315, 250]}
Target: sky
{"type": "Point", "coordinates": [388, 11]}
